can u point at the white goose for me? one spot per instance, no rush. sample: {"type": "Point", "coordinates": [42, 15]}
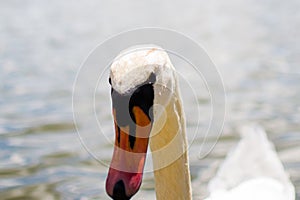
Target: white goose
{"type": "Point", "coordinates": [147, 108]}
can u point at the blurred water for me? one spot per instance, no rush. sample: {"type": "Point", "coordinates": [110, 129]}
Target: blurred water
{"type": "Point", "coordinates": [255, 45]}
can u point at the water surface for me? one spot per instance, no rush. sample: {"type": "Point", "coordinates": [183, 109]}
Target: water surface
{"type": "Point", "coordinates": [255, 45]}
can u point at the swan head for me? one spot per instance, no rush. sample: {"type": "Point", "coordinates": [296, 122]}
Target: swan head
{"type": "Point", "coordinates": [142, 81]}
{"type": "Point", "coordinates": [140, 65]}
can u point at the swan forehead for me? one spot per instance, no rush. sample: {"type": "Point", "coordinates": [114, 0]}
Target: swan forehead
{"type": "Point", "coordinates": [133, 67]}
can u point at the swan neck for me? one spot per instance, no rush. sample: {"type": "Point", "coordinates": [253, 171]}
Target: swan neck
{"type": "Point", "coordinates": [170, 156]}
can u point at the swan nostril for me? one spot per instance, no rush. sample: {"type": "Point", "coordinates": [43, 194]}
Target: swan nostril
{"type": "Point", "coordinates": [119, 191]}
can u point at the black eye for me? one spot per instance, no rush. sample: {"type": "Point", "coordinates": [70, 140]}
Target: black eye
{"type": "Point", "coordinates": [109, 80]}
{"type": "Point", "coordinates": [151, 79]}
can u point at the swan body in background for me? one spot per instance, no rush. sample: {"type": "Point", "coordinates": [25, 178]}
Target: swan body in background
{"type": "Point", "coordinates": [252, 170]}
{"type": "Point", "coordinates": [147, 109]}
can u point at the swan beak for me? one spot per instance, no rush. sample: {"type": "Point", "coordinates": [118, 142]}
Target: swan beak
{"type": "Point", "coordinates": [131, 141]}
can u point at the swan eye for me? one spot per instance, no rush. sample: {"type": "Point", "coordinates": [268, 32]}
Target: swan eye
{"type": "Point", "coordinates": [109, 80]}
{"type": "Point", "coordinates": [151, 79]}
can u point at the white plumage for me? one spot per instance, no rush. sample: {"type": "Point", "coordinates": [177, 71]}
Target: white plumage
{"type": "Point", "coordinates": [252, 171]}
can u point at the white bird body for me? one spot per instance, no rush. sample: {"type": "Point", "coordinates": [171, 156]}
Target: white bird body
{"type": "Point", "coordinates": [252, 171]}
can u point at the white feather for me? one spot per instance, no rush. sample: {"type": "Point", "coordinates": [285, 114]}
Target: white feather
{"type": "Point", "coordinates": [133, 67]}
{"type": "Point", "coordinates": [252, 171]}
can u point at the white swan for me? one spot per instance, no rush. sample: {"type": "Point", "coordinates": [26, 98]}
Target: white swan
{"type": "Point", "coordinates": [147, 104]}
{"type": "Point", "coordinates": [252, 171]}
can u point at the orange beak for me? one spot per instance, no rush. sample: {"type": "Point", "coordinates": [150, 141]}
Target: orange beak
{"type": "Point", "coordinates": [127, 165]}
